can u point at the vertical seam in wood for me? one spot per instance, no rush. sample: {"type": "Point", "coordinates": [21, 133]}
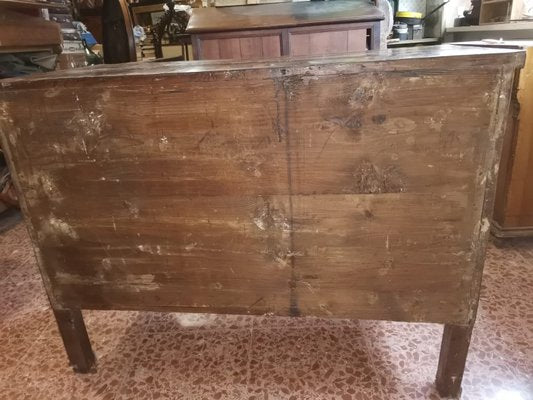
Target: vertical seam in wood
{"type": "Point", "coordinates": [293, 295]}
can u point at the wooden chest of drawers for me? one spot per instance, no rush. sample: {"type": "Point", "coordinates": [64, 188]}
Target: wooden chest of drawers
{"type": "Point", "coordinates": [297, 187]}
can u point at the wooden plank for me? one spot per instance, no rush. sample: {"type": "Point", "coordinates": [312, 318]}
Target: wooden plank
{"type": "Point", "coordinates": [147, 184]}
{"type": "Point", "coordinates": [347, 121]}
{"type": "Point", "coordinates": [369, 241]}
{"type": "Point", "coordinates": [178, 244]}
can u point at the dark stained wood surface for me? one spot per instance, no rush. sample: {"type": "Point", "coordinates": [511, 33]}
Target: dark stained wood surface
{"type": "Point", "coordinates": [219, 19]}
{"type": "Point", "coordinates": [349, 187]}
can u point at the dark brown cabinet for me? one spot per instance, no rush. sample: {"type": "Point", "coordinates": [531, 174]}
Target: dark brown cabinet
{"type": "Point", "coordinates": [274, 30]}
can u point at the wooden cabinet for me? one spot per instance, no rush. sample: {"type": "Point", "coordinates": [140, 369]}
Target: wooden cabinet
{"type": "Point", "coordinates": [513, 214]}
{"type": "Point", "coordinates": [297, 187]}
{"type": "Point", "coordinates": [274, 30]}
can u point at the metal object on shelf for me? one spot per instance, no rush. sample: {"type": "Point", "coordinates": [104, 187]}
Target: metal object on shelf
{"type": "Point", "coordinates": [412, 22]}
{"type": "Point", "coordinates": [400, 31]}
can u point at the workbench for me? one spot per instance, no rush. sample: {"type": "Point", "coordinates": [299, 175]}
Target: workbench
{"type": "Point", "coordinates": [297, 187]}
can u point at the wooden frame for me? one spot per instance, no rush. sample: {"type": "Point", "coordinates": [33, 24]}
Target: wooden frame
{"type": "Point", "coordinates": [310, 190]}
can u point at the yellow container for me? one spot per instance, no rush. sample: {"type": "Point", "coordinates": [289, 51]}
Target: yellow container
{"type": "Point", "coordinates": [408, 14]}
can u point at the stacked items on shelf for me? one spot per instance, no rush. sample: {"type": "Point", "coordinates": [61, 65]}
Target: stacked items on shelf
{"type": "Point", "coordinates": [147, 45]}
{"type": "Point", "coordinates": [163, 26]}
{"type": "Point", "coordinates": [73, 54]}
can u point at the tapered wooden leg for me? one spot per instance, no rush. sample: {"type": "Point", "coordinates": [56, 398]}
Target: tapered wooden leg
{"type": "Point", "coordinates": [453, 352]}
{"type": "Point", "coordinates": [76, 340]}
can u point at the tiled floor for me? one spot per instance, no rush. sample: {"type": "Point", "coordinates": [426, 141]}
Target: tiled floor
{"type": "Point", "coordinates": [180, 356]}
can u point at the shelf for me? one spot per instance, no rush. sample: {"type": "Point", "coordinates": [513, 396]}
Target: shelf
{"type": "Point", "coordinates": [509, 26]}
{"type": "Point", "coordinates": [20, 32]}
{"type": "Point", "coordinates": [30, 4]}
{"type": "Point", "coordinates": [147, 9]}
{"type": "Point", "coordinates": [506, 44]}
{"type": "Point", "coordinates": [496, 1]}
{"type": "Point", "coordinates": [412, 42]}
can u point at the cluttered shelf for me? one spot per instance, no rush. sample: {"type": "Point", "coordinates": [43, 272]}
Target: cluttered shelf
{"type": "Point", "coordinates": [508, 26]}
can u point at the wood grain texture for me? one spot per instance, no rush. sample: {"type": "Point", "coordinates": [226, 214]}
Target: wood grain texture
{"type": "Point", "coordinates": [300, 187]}
{"type": "Point", "coordinates": [281, 15]}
